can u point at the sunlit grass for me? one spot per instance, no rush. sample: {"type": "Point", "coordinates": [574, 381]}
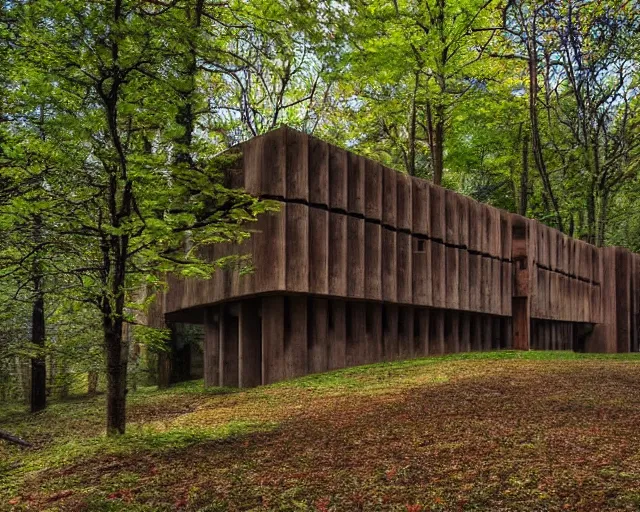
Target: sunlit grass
{"type": "Point", "coordinates": [187, 415]}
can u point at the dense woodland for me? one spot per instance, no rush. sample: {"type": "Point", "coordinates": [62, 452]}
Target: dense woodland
{"type": "Point", "coordinates": [113, 114]}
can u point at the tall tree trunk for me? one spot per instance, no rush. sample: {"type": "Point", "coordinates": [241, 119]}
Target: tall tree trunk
{"type": "Point", "coordinates": [602, 217]}
{"type": "Point", "coordinates": [112, 322]}
{"type": "Point", "coordinates": [24, 374]}
{"type": "Point", "coordinates": [572, 226]}
{"type": "Point", "coordinates": [116, 376]}
{"type": "Point", "coordinates": [536, 145]}
{"type": "Point", "coordinates": [412, 128]}
{"type": "Point", "coordinates": [38, 334]}
{"type": "Point", "coordinates": [185, 116]}
{"type": "Point", "coordinates": [430, 132]}
{"type": "Point", "coordinates": [38, 363]}
{"type": "Point", "coordinates": [438, 146]}
{"type": "Point", "coordinates": [524, 176]}
{"type": "Point", "coordinates": [115, 253]}
{"type": "Point", "coordinates": [591, 213]}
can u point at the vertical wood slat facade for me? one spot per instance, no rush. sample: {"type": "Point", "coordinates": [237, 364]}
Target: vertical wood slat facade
{"type": "Point", "coordinates": [363, 264]}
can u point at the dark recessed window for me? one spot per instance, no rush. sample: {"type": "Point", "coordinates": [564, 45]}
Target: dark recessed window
{"type": "Point", "coordinates": [421, 246]}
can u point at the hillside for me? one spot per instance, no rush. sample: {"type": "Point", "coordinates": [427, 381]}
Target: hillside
{"type": "Point", "coordinates": [485, 431]}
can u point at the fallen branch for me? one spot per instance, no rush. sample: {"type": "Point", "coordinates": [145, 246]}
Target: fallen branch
{"type": "Point", "coordinates": [13, 439]}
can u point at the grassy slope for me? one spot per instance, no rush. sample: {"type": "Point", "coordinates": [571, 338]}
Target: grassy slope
{"type": "Point", "coordinates": [487, 431]}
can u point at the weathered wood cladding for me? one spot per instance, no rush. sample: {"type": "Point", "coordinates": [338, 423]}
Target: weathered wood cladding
{"type": "Point", "coordinates": [363, 264]}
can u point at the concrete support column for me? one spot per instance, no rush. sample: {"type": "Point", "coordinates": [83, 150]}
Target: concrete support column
{"type": "Point", "coordinates": [374, 341]}
{"type": "Point", "coordinates": [436, 332]}
{"type": "Point", "coordinates": [421, 341]}
{"type": "Point", "coordinates": [497, 333]}
{"type": "Point", "coordinates": [356, 325]}
{"type": "Point", "coordinates": [487, 332]}
{"type": "Point", "coordinates": [452, 332]}
{"type": "Point", "coordinates": [295, 338]}
{"type": "Point", "coordinates": [211, 346]}
{"type": "Point", "coordinates": [272, 339]}
{"type": "Point", "coordinates": [390, 332]}
{"type": "Point", "coordinates": [317, 335]}
{"type": "Point", "coordinates": [337, 334]}
{"type": "Point", "coordinates": [250, 344]}
{"type": "Point", "coordinates": [228, 363]}
{"type": "Point", "coordinates": [405, 332]}
{"type": "Point", "coordinates": [475, 326]}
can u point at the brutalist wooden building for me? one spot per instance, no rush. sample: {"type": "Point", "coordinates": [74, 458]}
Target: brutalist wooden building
{"type": "Point", "coordinates": [365, 264]}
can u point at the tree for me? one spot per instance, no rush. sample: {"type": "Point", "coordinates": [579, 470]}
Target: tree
{"type": "Point", "coordinates": [20, 207]}
{"type": "Point", "coordinates": [581, 59]}
{"type": "Point", "coordinates": [128, 209]}
{"type": "Point", "coordinates": [423, 57]}
{"type": "Point", "coordinates": [243, 69]}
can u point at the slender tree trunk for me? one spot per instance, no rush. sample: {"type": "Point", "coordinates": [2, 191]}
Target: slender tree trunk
{"type": "Point", "coordinates": [591, 214]}
{"type": "Point", "coordinates": [441, 81]}
{"type": "Point", "coordinates": [38, 363]}
{"type": "Point", "coordinates": [38, 366]}
{"type": "Point", "coordinates": [438, 146]}
{"type": "Point", "coordinates": [524, 176]}
{"type": "Point", "coordinates": [412, 128]}
{"type": "Point", "coordinates": [115, 249]}
{"type": "Point", "coordinates": [53, 372]}
{"type": "Point", "coordinates": [536, 145]}
{"type": "Point", "coordinates": [63, 380]}
{"type": "Point", "coordinates": [572, 226]}
{"type": "Point", "coordinates": [602, 220]}
{"type": "Point", "coordinates": [116, 376]}
{"type": "Point", "coordinates": [24, 373]}
{"type": "Point", "coordinates": [135, 360]}
{"type": "Point", "coordinates": [430, 132]}
{"type": "Point", "coordinates": [185, 116]}
{"type": "Point", "coordinates": [92, 382]}
{"type": "Point", "coordinates": [38, 334]}
{"type": "Point", "coordinates": [113, 320]}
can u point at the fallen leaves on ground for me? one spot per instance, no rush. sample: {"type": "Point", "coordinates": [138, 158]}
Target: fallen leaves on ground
{"type": "Point", "coordinates": [486, 434]}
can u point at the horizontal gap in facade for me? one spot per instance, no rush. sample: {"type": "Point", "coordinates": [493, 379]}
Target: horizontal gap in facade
{"type": "Point", "coordinates": [378, 222]}
{"type": "Point", "coordinates": [348, 300]}
{"type": "Point", "coordinates": [566, 274]}
{"type": "Point", "coordinates": [351, 300]}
